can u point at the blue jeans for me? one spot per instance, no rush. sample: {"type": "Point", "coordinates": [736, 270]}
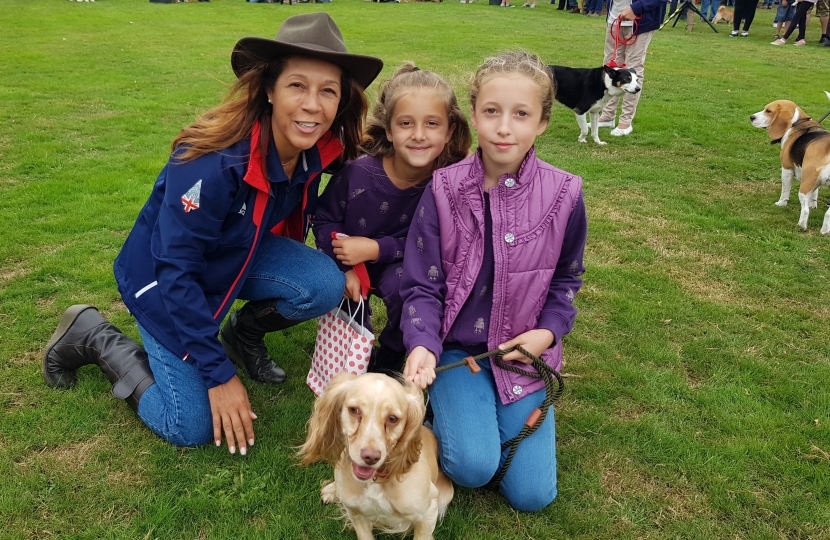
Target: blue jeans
{"type": "Point", "coordinates": [785, 13]}
{"type": "Point", "coordinates": [710, 6]}
{"type": "Point", "coordinates": [471, 424]}
{"type": "Point", "coordinates": [305, 283]}
{"type": "Point", "coordinates": [594, 6]}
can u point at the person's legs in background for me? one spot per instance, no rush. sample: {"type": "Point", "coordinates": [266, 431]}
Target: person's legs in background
{"type": "Point", "coordinates": [823, 13]}
{"type": "Point", "coordinates": [749, 16]}
{"type": "Point", "coordinates": [608, 116]}
{"type": "Point", "coordinates": [635, 58]}
{"type": "Point", "coordinates": [741, 7]}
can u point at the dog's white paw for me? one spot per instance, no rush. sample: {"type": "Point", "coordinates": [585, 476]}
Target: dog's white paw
{"type": "Point", "coordinates": [825, 229]}
{"type": "Point", "coordinates": [781, 203]}
{"type": "Point", "coordinates": [802, 224]}
{"type": "Point", "coordinates": [329, 493]}
{"type": "Point", "coordinates": [601, 143]}
{"type": "Point", "coordinates": [813, 204]}
{"type": "Point", "coordinates": [582, 139]}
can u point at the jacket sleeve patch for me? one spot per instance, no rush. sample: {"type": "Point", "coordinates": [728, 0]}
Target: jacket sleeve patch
{"type": "Point", "coordinates": [192, 197]}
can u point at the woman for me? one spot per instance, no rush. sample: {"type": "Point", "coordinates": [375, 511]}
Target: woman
{"type": "Point", "coordinates": [226, 220]}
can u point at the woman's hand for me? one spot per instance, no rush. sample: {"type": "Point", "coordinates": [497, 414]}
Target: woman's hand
{"type": "Point", "coordinates": [352, 286]}
{"type": "Point", "coordinates": [232, 414]}
{"type": "Point", "coordinates": [533, 341]}
{"type": "Point", "coordinates": [420, 367]}
{"type": "Point", "coordinates": [354, 250]}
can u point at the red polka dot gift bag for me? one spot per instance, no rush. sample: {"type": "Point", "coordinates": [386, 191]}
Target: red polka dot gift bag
{"type": "Point", "coordinates": [343, 344]}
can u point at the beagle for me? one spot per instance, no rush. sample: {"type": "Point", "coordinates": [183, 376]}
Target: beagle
{"type": "Point", "coordinates": [805, 153]}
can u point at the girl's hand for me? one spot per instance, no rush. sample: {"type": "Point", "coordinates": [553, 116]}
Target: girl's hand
{"type": "Point", "coordinates": [533, 341]}
{"type": "Point", "coordinates": [420, 367]}
{"type": "Point", "coordinates": [352, 291]}
{"type": "Point", "coordinates": [354, 250]}
{"type": "Point", "coordinates": [232, 414]}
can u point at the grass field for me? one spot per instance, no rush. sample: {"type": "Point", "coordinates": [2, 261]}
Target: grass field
{"type": "Point", "coordinates": [697, 403]}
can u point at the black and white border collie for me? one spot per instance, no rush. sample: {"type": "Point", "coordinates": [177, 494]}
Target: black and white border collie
{"type": "Point", "coordinates": [588, 90]}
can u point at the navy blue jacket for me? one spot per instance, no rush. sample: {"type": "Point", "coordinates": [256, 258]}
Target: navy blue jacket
{"type": "Point", "coordinates": [651, 13]}
{"type": "Point", "coordinates": [191, 247]}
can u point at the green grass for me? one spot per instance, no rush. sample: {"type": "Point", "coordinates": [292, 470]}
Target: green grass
{"type": "Point", "coordinates": [697, 404]}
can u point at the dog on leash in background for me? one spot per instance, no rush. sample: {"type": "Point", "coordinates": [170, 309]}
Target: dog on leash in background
{"type": "Point", "coordinates": [805, 154]}
{"type": "Point", "coordinates": [386, 473]}
{"type": "Point", "coordinates": [588, 90]}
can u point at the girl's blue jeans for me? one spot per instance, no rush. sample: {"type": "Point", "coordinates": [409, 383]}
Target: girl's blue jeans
{"type": "Point", "coordinates": [471, 424]}
{"type": "Point", "coordinates": [305, 283]}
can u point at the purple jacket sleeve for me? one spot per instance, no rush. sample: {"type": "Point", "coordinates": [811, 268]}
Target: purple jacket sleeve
{"type": "Point", "coordinates": [330, 217]}
{"type": "Point", "coordinates": [390, 249]}
{"type": "Point", "coordinates": [422, 290]}
{"type": "Point", "coordinates": [559, 313]}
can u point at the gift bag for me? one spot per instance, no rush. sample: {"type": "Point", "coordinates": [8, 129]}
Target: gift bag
{"type": "Point", "coordinates": [343, 344]}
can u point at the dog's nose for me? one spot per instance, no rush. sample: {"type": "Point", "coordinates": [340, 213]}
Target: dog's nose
{"type": "Point", "coordinates": [752, 117]}
{"type": "Point", "coordinates": [369, 456]}
{"type": "Point", "coordinates": [637, 90]}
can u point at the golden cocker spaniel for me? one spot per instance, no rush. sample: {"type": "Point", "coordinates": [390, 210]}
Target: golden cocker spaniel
{"type": "Point", "coordinates": [386, 473]}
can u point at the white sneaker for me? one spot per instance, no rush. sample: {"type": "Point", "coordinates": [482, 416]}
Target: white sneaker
{"type": "Point", "coordinates": [617, 132]}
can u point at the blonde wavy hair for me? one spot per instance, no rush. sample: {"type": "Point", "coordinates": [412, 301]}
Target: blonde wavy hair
{"type": "Point", "coordinates": [406, 78]}
{"type": "Point", "coordinates": [517, 63]}
{"type": "Point", "coordinates": [247, 102]}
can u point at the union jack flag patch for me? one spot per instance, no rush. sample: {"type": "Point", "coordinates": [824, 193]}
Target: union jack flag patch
{"type": "Point", "coordinates": [191, 198]}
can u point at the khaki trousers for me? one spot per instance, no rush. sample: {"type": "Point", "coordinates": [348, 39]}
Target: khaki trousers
{"type": "Point", "coordinates": [633, 56]}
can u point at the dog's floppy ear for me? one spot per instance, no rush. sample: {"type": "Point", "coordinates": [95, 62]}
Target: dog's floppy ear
{"type": "Point", "coordinates": [324, 441]}
{"type": "Point", "coordinates": [781, 121]}
{"type": "Point", "coordinates": [408, 449]}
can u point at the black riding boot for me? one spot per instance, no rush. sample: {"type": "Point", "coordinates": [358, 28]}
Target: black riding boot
{"type": "Point", "coordinates": [243, 334]}
{"type": "Point", "coordinates": [85, 337]}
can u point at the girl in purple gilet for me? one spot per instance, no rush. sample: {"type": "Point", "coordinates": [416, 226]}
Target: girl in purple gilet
{"type": "Point", "coordinates": [493, 260]}
{"type": "Point", "coordinates": [415, 128]}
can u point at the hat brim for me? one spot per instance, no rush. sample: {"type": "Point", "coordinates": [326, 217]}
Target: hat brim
{"type": "Point", "coordinates": [363, 69]}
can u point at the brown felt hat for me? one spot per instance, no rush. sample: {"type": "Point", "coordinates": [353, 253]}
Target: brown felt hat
{"type": "Point", "coordinates": [314, 35]}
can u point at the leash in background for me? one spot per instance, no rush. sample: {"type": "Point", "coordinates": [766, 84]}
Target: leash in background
{"type": "Point", "coordinates": [617, 41]}
{"type": "Point", "coordinates": [537, 417]}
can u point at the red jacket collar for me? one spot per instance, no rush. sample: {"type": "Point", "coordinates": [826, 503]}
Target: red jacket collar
{"type": "Point", "coordinates": [328, 146]}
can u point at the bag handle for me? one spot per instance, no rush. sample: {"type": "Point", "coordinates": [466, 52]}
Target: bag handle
{"type": "Point", "coordinates": [359, 269]}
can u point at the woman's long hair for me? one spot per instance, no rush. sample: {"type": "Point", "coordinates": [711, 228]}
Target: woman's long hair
{"type": "Point", "coordinates": [247, 102]}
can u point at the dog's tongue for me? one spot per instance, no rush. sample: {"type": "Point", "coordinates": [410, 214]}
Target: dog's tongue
{"type": "Point", "coordinates": [363, 473]}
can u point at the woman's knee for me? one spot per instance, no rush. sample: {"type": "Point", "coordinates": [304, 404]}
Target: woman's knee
{"type": "Point", "coordinates": [326, 289]}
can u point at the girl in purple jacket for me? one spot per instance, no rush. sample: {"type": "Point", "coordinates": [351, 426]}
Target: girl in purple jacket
{"type": "Point", "coordinates": [415, 128]}
{"type": "Point", "coordinates": [493, 260]}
